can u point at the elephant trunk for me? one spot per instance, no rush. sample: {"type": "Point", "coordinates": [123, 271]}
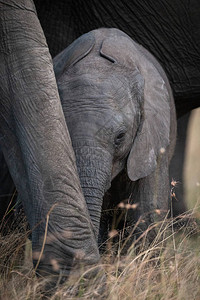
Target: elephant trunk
{"type": "Point", "coordinates": [94, 169]}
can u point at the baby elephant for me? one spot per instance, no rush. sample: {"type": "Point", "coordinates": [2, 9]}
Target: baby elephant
{"type": "Point", "coordinates": [120, 113]}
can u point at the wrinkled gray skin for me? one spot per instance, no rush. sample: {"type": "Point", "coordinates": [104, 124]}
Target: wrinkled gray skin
{"type": "Point", "coordinates": [120, 113]}
{"type": "Point", "coordinates": [37, 149]}
{"type": "Point", "coordinates": [36, 145]}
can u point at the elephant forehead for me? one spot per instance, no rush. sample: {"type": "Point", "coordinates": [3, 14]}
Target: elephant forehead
{"type": "Point", "coordinates": [94, 119]}
{"type": "Point", "coordinates": [98, 87]}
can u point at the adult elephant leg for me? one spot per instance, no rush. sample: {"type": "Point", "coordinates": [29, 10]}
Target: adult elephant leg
{"type": "Point", "coordinates": [177, 166]}
{"type": "Point", "coordinates": [36, 145]}
{"type": "Point", "coordinates": [7, 201]}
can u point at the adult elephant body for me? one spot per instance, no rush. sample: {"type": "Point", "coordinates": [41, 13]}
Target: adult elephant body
{"type": "Point", "coordinates": [120, 114]}
{"type": "Point", "coordinates": [170, 30]}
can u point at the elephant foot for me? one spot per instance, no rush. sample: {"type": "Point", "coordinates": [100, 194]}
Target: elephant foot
{"type": "Point", "coordinates": [82, 280]}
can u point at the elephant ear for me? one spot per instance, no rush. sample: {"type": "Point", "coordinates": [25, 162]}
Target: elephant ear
{"type": "Point", "coordinates": [153, 137]}
{"type": "Point", "coordinates": [153, 134]}
{"type": "Point", "coordinates": [73, 53]}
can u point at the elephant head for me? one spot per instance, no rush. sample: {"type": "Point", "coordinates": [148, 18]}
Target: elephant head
{"type": "Point", "coordinates": [116, 104]}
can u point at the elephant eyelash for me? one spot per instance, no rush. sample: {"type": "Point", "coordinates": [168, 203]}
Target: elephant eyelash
{"type": "Point", "coordinates": [119, 138]}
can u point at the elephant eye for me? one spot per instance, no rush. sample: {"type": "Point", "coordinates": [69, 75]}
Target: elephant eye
{"type": "Point", "coordinates": [119, 138]}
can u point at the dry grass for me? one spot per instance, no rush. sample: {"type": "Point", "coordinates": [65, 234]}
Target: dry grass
{"type": "Point", "coordinates": [169, 270]}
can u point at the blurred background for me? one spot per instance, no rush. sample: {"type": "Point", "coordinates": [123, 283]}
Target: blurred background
{"type": "Point", "coordinates": [192, 163]}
